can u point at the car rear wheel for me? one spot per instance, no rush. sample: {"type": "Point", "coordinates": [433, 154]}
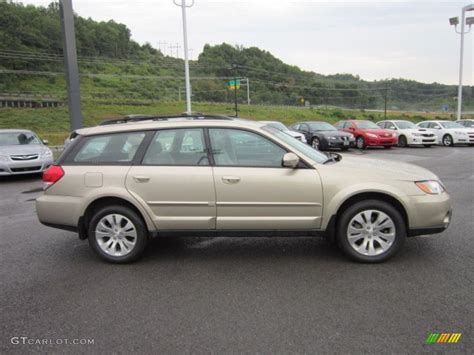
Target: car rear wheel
{"type": "Point", "coordinates": [402, 141]}
{"type": "Point", "coordinates": [371, 231]}
{"type": "Point", "coordinates": [117, 234]}
{"type": "Point", "coordinates": [360, 143]}
{"type": "Point", "coordinates": [448, 140]}
{"type": "Point", "coordinates": [316, 144]}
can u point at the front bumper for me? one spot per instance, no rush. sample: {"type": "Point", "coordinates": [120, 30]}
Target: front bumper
{"type": "Point", "coordinates": [429, 214]}
{"type": "Point", "coordinates": [411, 140]}
{"type": "Point", "coordinates": [379, 141]}
{"type": "Point", "coordinates": [338, 143]}
{"type": "Point", "coordinates": [24, 167]}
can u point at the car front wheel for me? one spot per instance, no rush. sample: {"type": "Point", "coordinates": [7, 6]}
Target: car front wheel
{"type": "Point", "coordinates": [371, 231]}
{"type": "Point", "coordinates": [360, 143]}
{"type": "Point", "coordinates": [448, 140]}
{"type": "Point", "coordinates": [316, 144]}
{"type": "Point", "coordinates": [117, 234]}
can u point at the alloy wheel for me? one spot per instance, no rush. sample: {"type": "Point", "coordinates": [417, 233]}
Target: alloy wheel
{"type": "Point", "coordinates": [360, 143]}
{"type": "Point", "coordinates": [447, 140]}
{"type": "Point", "coordinates": [116, 235]}
{"type": "Point", "coordinates": [315, 143]}
{"type": "Point", "coordinates": [371, 232]}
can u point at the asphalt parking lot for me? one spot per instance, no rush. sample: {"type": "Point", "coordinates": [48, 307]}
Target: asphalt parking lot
{"type": "Point", "coordinates": [267, 295]}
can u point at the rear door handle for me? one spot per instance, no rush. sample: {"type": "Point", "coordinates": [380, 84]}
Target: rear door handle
{"type": "Point", "coordinates": [230, 179]}
{"type": "Point", "coordinates": [141, 178]}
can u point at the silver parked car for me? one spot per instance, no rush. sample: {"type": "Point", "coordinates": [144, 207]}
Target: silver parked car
{"type": "Point", "coordinates": [281, 127]}
{"type": "Point", "coordinates": [22, 152]}
{"type": "Point", "coordinates": [120, 184]}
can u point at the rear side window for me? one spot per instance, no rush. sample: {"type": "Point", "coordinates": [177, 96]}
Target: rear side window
{"type": "Point", "coordinates": [112, 148]}
{"type": "Point", "coordinates": [184, 147]}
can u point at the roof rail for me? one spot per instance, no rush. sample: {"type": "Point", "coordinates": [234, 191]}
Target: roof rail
{"type": "Point", "coordinates": [184, 116]}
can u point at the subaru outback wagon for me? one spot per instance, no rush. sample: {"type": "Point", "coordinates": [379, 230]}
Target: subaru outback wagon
{"type": "Point", "coordinates": [119, 185]}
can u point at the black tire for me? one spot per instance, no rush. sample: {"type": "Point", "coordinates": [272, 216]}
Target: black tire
{"type": "Point", "coordinates": [402, 141]}
{"type": "Point", "coordinates": [346, 217]}
{"type": "Point", "coordinates": [344, 149]}
{"type": "Point", "coordinates": [135, 219]}
{"type": "Point", "coordinates": [448, 140]}
{"type": "Point", "coordinates": [427, 145]}
{"type": "Point", "coordinates": [316, 143]}
{"type": "Point", "coordinates": [360, 142]}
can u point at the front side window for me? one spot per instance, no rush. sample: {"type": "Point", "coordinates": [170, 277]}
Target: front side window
{"type": "Point", "coordinates": [112, 148]}
{"type": "Point", "coordinates": [183, 147]}
{"type": "Point", "coordinates": [233, 147]}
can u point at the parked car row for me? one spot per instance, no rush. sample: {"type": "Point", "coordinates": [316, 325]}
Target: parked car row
{"type": "Point", "coordinates": [388, 133]}
{"type": "Point", "coordinates": [22, 152]}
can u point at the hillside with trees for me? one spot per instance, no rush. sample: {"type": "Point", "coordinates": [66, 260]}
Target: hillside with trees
{"type": "Point", "coordinates": [114, 69]}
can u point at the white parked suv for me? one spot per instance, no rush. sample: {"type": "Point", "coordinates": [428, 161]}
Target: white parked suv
{"type": "Point", "coordinates": [449, 133]}
{"type": "Point", "coordinates": [410, 134]}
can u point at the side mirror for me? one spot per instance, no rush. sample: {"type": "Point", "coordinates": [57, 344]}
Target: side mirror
{"type": "Point", "coordinates": [351, 128]}
{"type": "Point", "coordinates": [290, 160]}
{"type": "Point", "coordinates": [45, 142]}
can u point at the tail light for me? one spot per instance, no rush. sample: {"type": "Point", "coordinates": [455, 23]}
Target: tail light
{"type": "Point", "coordinates": [52, 175]}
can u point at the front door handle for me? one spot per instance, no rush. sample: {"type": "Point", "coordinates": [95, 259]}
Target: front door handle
{"type": "Point", "coordinates": [230, 179]}
{"type": "Point", "coordinates": [141, 178]}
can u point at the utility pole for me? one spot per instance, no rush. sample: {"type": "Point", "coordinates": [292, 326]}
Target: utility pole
{"type": "Point", "coordinates": [455, 21]}
{"type": "Point", "coordinates": [176, 46]}
{"type": "Point", "coordinates": [164, 43]}
{"type": "Point", "coordinates": [70, 63]}
{"type": "Point", "coordinates": [246, 82]}
{"type": "Point", "coordinates": [234, 68]}
{"type": "Point", "coordinates": [183, 5]}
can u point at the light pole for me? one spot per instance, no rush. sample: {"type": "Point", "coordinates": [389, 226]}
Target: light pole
{"type": "Point", "coordinates": [454, 21]}
{"type": "Point", "coordinates": [183, 6]}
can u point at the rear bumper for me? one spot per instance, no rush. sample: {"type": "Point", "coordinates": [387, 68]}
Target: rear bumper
{"type": "Point", "coordinates": [54, 210]}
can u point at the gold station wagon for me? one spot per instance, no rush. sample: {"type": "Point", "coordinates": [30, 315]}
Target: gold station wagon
{"type": "Point", "coordinates": [118, 185]}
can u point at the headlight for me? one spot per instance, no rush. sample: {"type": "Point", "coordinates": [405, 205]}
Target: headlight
{"type": "Point", "coordinates": [47, 154]}
{"type": "Point", "coordinates": [3, 158]}
{"type": "Point", "coordinates": [431, 187]}
{"type": "Point", "coordinates": [394, 135]}
{"type": "Point", "coordinates": [372, 135]}
{"type": "Point", "coordinates": [332, 138]}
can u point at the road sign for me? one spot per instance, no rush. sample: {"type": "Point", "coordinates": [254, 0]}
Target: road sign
{"type": "Point", "coordinates": [234, 84]}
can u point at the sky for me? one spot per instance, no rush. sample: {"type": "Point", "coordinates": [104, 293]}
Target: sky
{"type": "Point", "coordinates": [373, 39]}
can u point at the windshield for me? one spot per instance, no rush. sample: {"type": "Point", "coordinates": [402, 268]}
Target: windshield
{"type": "Point", "coordinates": [278, 125]}
{"type": "Point", "coordinates": [366, 124]}
{"type": "Point", "coordinates": [405, 124]}
{"type": "Point", "coordinates": [451, 125]}
{"type": "Point", "coordinates": [297, 145]}
{"type": "Point", "coordinates": [18, 138]}
{"type": "Point", "coordinates": [322, 126]}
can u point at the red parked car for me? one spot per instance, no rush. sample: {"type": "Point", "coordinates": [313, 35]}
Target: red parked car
{"type": "Point", "coordinates": [368, 133]}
